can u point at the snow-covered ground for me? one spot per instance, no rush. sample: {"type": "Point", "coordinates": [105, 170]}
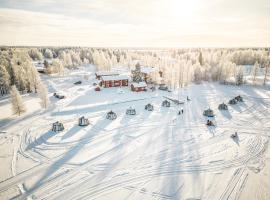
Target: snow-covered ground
{"type": "Point", "coordinates": [152, 155]}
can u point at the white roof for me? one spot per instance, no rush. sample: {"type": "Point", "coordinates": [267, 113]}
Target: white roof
{"type": "Point", "coordinates": [106, 73]}
{"type": "Point", "coordinates": [120, 69]}
{"type": "Point", "coordinates": [140, 84]}
{"type": "Point", "coordinates": [147, 70]}
{"type": "Point", "coordinates": [115, 78]}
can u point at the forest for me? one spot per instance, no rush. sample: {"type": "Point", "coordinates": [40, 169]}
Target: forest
{"type": "Point", "coordinates": [179, 67]}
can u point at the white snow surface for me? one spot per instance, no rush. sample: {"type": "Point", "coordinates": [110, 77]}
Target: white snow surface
{"type": "Point", "coordinates": [151, 155]}
{"type": "Point", "coordinates": [147, 70]}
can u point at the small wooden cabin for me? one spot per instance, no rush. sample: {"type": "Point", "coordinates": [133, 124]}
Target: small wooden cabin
{"type": "Point", "coordinates": [138, 87]}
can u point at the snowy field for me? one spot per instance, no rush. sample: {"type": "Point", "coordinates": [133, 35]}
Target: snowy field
{"type": "Point", "coordinates": [152, 155]}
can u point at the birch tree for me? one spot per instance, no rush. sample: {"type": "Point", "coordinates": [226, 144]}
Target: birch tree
{"type": "Point", "coordinates": [266, 71]}
{"type": "Point", "coordinates": [43, 95]}
{"type": "Point", "coordinates": [58, 66]}
{"type": "Point", "coordinates": [197, 73]}
{"type": "Point", "coordinates": [255, 72]}
{"type": "Point", "coordinates": [16, 101]}
{"type": "Point", "coordinates": [33, 77]}
{"type": "Point", "coordinates": [200, 58]}
{"type": "Point", "coordinates": [4, 80]}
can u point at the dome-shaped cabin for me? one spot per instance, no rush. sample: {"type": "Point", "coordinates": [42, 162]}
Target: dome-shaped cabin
{"type": "Point", "coordinates": [166, 103]}
{"type": "Point", "coordinates": [57, 126]}
{"type": "Point", "coordinates": [149, 107]}
{"type": "Point", "coordinates": [131, 111]}
{"type": "Point", "coordinates": [239, 98]}
{"type": "Point", "coordinates": [233, 101]}
{"type": "Point", "coordinates": [223, 106]}
{"type": "Point", "coordinates": [208, 113]}
{"type": "Point", "coordinates": [83, 121]}
{"type": "Point", "coordinates": [111, 115]}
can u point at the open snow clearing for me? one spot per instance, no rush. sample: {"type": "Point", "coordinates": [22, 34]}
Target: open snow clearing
{"type": "Point", "coordinates": [151, 155]}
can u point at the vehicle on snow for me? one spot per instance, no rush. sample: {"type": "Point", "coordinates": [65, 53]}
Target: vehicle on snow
{"type": "Point", "coordinates": [77, 83]}
{"type": "Point", "coordinates": [59, 95]}
{"type": "Point", "coordinates": [163, 87]}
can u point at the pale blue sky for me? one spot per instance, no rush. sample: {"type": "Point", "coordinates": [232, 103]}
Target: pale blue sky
{"type": "Point", "coordinates": [144, 23]}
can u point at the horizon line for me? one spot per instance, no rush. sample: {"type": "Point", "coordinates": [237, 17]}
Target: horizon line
{"type": "Point", "coordinates": [132, 47]}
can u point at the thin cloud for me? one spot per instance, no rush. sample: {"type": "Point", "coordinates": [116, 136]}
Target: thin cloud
{"type": "Point", "coordinates": [133, 23]}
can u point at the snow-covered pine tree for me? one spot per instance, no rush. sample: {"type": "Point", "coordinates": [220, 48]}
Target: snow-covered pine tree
{"type": "Point", "coordinates": [16, 101]}
{"type": "Point", "coordinates": [33, 77]}
{"type": "Point", "coordinates": [48, 53]}
{"type": "Point", "coordinates": [43, 95]}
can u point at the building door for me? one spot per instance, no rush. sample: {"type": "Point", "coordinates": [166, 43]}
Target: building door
{"type": "Point", "coordinates": [124, 82]}
{"type": "Point", "coordinates": [110, 83]}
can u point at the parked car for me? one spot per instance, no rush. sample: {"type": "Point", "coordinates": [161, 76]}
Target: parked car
{"type": "Point", "coordinates": [58, 95]}
{"type": "Point", "coordinates": [163, 87]}
{"type": "Point", "coordinates": [78, 83]}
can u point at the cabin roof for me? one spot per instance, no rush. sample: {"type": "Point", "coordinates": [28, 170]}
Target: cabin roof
{"type": "Point", "coordinates": [106, 73]}
{"type": "Point", "coordinates": [114, 78]}
{"type": "Point", "coordinates": [140, 84]}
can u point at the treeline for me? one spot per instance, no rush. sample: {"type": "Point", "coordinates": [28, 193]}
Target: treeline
{"type": "Point", "coordinates": [16, 64]}
{"type": "Point", "coordinates": [16, 68]}
{"type": "Point", "coordinates": [178, 66]}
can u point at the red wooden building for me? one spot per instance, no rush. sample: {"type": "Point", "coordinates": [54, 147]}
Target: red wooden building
{"type": "Point", "coordinates": [114, 81]}
{"type": "Point", "coordinates": [138, 87]}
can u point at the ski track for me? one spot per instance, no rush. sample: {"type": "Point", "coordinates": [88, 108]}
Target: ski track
{"type": "Point", "coordinates": [255, 116]}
